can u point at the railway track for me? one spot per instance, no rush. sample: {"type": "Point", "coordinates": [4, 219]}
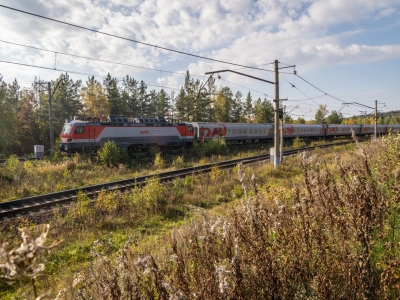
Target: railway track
{"type": "Point", "coordinates": [30, 205]}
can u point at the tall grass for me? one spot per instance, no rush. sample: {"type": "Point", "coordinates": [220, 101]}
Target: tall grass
{"type": "Point", "coordinates": [334, 237]}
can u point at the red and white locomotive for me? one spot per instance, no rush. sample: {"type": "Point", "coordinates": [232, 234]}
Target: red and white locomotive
{"type": "Point", "coordinates": [142, 133]}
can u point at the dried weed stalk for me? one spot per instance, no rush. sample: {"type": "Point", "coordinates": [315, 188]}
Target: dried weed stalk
{"type": "Point", "coordinates": [335, 237]}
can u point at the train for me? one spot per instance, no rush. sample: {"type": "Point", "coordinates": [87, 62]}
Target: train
{"type": "Point", "coordinates": [137, 134]}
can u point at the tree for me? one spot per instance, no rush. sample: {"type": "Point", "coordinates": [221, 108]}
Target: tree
{"type": "Point", "coordinates": [300, 120]}
{"type": "Point", "coordinates": [130, 97]}
{"type": "Point", "coordinates": [65, 101]}
{"type": "Point", "coordinates": [162, 105]}
{"type": "Point", "coordinates": [194, 100]}
{"type": "Point", "coordinates": [237, 108]}
{"type": "Point", "coordinates": [94, 98]}
{"type": "Point", "coordinates": [223, 105]}
{"type": "Point", "coordinates": [143, 100]}
{"type": "Point", "coordinates": [334, 118]}
{"type": "Point", "coordinates": [263, 111]}
{"type": "Point", "coordinates": [320, 115]}
{"type": "Point", "coordinates": [248, 107]}
{"type": "Point", "coordinates": [9, 107]}
{"type": "Point", "coordinates": [113, 95]}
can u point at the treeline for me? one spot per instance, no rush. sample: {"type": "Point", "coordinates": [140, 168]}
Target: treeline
{"type": "Point", "coordinates": [323, 116]}
{"type": "Point", "coordinates": [24, 113]}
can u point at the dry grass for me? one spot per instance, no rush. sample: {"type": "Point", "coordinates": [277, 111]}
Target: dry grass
{"type": "Point", "coordinates": [330, 233]}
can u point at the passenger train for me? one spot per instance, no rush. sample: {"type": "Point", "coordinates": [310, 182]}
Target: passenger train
{"type": "Point", "coordinates": [141, 133]}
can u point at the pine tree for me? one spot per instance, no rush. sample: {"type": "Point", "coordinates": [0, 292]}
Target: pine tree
{"type": "Point", "coordinates": [237, 108]}
{"type": "Point", "coordinates": [248, 108]}
{"type": "Point", "coordinates": [130, 97]}
{"type": "Point", "coordinates": [113, 95]}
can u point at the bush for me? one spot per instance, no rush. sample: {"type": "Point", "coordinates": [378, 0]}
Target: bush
{"type": "Point", "coordinates": [298, 143]}
{"type": "Point", "coordinates": [178, 162]}
{"type": "Point", "coordinates": [159, 161]}
{"type": "Point", "coordinates": [12, 163]}
{"type": "Point", "coordinates": [215, 146]}
{"type": "Point", "coordinates": [109, 154]}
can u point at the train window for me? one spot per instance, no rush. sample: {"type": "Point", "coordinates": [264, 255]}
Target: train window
{"type": "Point", "coordinates": [80, 129]}
{"type": "Point", "coordinates": [249, 131]}
{"type": "Point", "coordinates": [228, 131]}
{"type": "Point", "coordinates": [264, 131]}
{"type": "Point", "coordinates": [245, 131]}
{"type": "Point", "coordinates": [239, 131]}
{"type": "Point", "coordinates": [67, 128]}
{"type": "Point", "coordinates": [234, 131]}
{"type": "Point", "coordinates": [190, 129]}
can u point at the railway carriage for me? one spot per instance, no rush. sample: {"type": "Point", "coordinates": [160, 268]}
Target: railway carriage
{"type": "Point", "coordinates": [234, 132]}
{"type": "Point", "coordinates": [370, 129]}
{"type": "Point", "coordinates": [301, 130]}
{"type": "Point", "coordinates": [332, 130]}
{"type": "Point", "coordinates": [393, 128]}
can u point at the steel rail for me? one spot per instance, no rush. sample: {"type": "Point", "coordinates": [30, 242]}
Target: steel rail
{"type": "Point", "coordinates": [29, 205]}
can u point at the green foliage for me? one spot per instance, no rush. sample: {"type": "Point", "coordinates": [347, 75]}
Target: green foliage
{"type": "Point", "coordinates": [320, 115]}
{"type": "Point", "coordinates": [178, 162]}
{"type": "Point", "coordinates": [298, 143]}
{"type": "Point", "coordinates": [159, 161]}
{"type": "Point", "coordinates": [12, 163]}
{"type": "Point", "coordinates": [109, 154]}
{"type": "Point", "coordinates": [215, 146]}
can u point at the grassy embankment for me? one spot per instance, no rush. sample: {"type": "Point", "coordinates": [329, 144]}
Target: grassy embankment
{"type": "Point", "coordinates": [231, 235]}
{"type": "Point", "coordinates": [60, 173]}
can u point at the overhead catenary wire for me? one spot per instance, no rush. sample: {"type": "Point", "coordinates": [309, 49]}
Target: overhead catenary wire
{"type": "Point", "coordinates": [78, 73]}
{"type": "Point", "coordinates": [127, 39]}
{"type": "Point", "coordinates": [97, 59]}
{"type": "Point", "coordinates": [247, 88]}
{"type": "Point", "coordinates": [299, 90]}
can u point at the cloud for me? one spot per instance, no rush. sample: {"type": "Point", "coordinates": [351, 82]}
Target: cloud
{"type": "Point", "coordinates": [241, 31]}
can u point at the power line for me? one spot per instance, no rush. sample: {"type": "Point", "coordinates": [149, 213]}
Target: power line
{"type": "Point", "coordinates": [246, 87]}
{"type": "Point", "coordinates": [96, 59]}
{"type": "Point", "coordinates": [127, 39]}
{"type": "Point", "coordinates": [78, 73]}
{"type": "Point", "coordinates": [320, 89]}
{"type": "Point", "coordinates": [299, 90]}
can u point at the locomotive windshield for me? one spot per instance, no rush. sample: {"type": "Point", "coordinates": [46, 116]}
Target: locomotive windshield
{"type": "Point", "coordinates": [66, 128]}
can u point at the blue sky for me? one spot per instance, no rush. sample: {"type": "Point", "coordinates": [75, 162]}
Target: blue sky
{"type": "Point", "coordinates": [348, 49]}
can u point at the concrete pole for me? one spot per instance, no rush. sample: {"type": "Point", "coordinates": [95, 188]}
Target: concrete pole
{"type": "Point", "coordinates": [51, 119]}
{"type": "Point", "coordinates": [376, 117]}
{"type": "Point", "coordinates": [281, 141]}
{"type": "Point", "coordinates": [276, 123]}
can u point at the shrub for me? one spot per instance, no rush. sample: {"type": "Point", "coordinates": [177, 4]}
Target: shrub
{"type": "Point", "coordinates": [12, 163]}
{"type": "Point", "coordinates": [178, 162]}
{"type": "Point", "coordinates": [215, 146]}
{"type": "Point", "coordinates": [159, 161]}
{"type": "Point", "coordinates": [298, 143]}
{"type": "Point", "coordinates": [109, 154]}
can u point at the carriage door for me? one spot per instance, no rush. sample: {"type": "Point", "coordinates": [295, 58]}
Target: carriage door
{"type": "Point", "coordinates": [201, 134]}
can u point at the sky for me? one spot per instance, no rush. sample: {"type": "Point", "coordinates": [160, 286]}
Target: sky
{"type": "Point", "coordinates": [344, 51]}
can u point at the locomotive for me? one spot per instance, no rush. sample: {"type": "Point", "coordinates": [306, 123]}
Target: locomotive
{"type": "Point", "coordinates": [137, 134]}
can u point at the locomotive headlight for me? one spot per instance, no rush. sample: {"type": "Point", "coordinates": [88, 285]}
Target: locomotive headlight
{"type": "Point", "coordinates": [69, 140]}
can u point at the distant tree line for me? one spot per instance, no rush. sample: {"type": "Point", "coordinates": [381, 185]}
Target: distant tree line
{"type": "Point", "coordinates": [24, 113]}
{"type": "Point", "coordinates": [322, 116]}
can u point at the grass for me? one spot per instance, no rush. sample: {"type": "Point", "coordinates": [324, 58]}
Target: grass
{"type": "Point", "coordinates": [232, 235]}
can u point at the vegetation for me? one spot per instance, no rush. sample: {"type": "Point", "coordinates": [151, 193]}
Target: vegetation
{"type": "Point", "coordinates": [323, 225]}
{"type": "Point", "coordinates": [24, 112]}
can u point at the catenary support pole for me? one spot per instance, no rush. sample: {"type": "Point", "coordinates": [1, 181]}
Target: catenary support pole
{"type": "Point", "coordinates": [51, 119]}
{"type": "Point", "coordinates": [276, 126]}
{"type": "Point", "coordinates": [376, 117]}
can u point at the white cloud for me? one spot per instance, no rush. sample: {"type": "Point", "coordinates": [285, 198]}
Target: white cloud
{"type": "Point", "coordinates": [242, 31]}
